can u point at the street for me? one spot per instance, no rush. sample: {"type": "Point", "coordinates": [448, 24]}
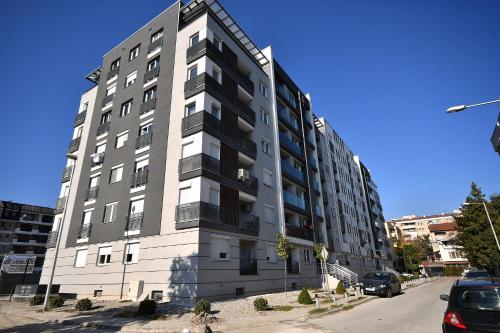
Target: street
{"type": "Point", "coordinates": [418, 310]}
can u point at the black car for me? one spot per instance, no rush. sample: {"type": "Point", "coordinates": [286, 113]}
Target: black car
{"type": "Point", "coordinates": [477, 274]}
{"type": "Point", "coordinates": [473, 306]}
{"type": "Point", "coordinates": [381, 283]}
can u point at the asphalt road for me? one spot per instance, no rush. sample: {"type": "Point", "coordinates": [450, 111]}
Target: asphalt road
{"type": "Point", "coordinates": [418, 310]}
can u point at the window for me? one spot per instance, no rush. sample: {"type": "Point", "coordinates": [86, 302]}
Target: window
{"type": "Point", "coordinates": [267, 177]}
{"type": "Point", "coordinates": [141, 166]}
{"type": "Point", "coordinates": [216, 74]}
{"type": "Point", "coordinates": [121, 140]}
{"type": "Point", "coordinates": [100, 148]}
{"type": "Point", "coordinates": [192, 72]}
{"type": "Point", "coordinates": [130, 80]}
{"type": "Point", "coordinates": [149, 94]}
{"type": "Point", "coordinates": [307, 256]}
{"type": "Point", "coordinates": [136, 207]}
{"type": "Point", "coordinates": [263, 89]}
{"type": "Point", "coordinates": [157, 295]}
{"type": "Point", "coordinates": [106, 117]}
{"type": "Point", "coordinates": [217, 42]}
{"type": "Point", "coordinates": [115, 64]}
{"type": "Point", "coordinates": [184, 197]}
{"type": "Point", "coordinates": [264, 116]}
{"type": "Point", "coordinates": [87, 215]}
{"type": "Point", "coordinates": [269, 214]}
{"type": "Point", "coordinates": [132, 253]}
{"type": "Point", "coordinates": [111, 90]}
{"type": "Point", "coordinates": [215, 110]}
{"type": "Point", "coordinates": [213, 196]}
{"type": "Point", "coordinates": [190, 109]}
{"type": "Point", "coordinates": [126, 108]}
{"type": "Point", "coordinates": [270, 253]}
{"type": "Point", "coordinates": [157, 35]}
{"type": "Point", "coordinates": [153, 64]}
{"type": "Point", "coordinates": [110, 212]}
{"type": "Point", "coordinates": [81, 258]}
{"type": "Point", "coordinates": [94, 181]}
{"type": "Point", "coordinates": [116, 174]}
{"type": "Point", "coordinates": [104, 256]}
{"type": "Point", "coordinates": [214, 150]}
{"type": "Point", "coordinates": [143, 130]}
{"type": "Point", "coordinates": [134, 52]}
{"type": "Point", "coordinates": [220, 248]}
{"type": "Point", "coordinates": [266, 147]}
{"type": "Point", "coordinates": [194, 39]}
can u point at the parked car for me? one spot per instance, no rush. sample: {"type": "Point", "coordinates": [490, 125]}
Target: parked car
{"type": "Point", "coordinates": [477, 274]}
{"type": "Point", "coordinates": [473, 306]}
{"type": "Point", "coordinates": [381, 283]}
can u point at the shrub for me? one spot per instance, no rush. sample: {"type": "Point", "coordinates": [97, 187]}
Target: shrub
{"type": "Point", "coordinates": [56, 302]}
{"type": "Point", "coordinates": [147, 307]}
{"type": "Point", "coordinates": [260, 304]}
{"type": "Point", "coordinates": [37, 300]}
{"type": "Point", "coordinates": [452, 271]}
{"type": "Point", "coordinates": [83, 304]}
{"type": "Point", "coordinates": [317, 311]}
{"type": "Point", "coordinates": [304, 297]}
{"type": "Point", "coordinates": [282, 308]}
{"type": "Point", "coordinates": [202, 306]}
{"type": "Point", "coordinates": [340, 288]}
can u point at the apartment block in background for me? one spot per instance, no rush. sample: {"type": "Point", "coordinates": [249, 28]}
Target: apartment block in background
{"type": "Point", "coordinates": [413, 226]}
{"type": "Point", "coordinates": [24, 230]}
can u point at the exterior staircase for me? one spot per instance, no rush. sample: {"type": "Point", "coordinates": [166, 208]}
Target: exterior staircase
{"type": "Point", "coordinates": [348, 277]}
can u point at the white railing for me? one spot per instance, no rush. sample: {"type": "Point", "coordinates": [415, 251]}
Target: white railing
{"type": "Point", "coordinates": [343, 274]}
{"type": "Point", "coordinates": [390, 270]}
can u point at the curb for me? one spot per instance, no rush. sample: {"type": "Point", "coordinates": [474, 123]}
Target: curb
{"type": "Point", "coordinates": [340, 308]}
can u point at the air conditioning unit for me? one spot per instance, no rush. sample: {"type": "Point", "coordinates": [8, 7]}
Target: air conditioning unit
{"type": "Point", "coordinates": [243, 174]}
{"type": "Point", "coordinates": [97, 157]}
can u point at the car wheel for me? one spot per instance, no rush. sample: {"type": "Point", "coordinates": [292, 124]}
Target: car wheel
{"type": "Point", "coordinates": [388, 293]}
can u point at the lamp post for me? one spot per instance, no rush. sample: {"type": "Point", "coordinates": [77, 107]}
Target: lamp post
{"type": "Point", "coordinates": [459, 108]}
{"type": "Point", "coordinates": [59, 231]}
{"type": "Point", "coordinates": [489, 219]}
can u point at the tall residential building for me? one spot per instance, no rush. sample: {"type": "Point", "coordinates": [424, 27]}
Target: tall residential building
{"type": "Point", "coordinates": [193, 150]}
{"type": "Point", "coordinates": [23, 232]}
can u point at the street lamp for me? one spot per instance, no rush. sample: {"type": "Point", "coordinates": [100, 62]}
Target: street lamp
{"type": "Point", "coordinates": [459, 108]}
{"type": "Point", "coordinates": [59, 231]}
{"type": "Point", "coordinates": [489, 219]}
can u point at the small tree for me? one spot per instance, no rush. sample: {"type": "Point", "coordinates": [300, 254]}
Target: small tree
{"type": "Point", "coordinates": [304, 297]}
{"type": "Point", "coordinates": [318, 252]}
{"type": "Point", "coordinates": [283, 249]}
{"type": "Point", "coordinates": [260, 304]}
{"type": "Point", "coordinates": [202, 306]}
{"type": "Point", "coordinates": [83, 304]}
{"type": "Point", "coordinates": [340, 288]}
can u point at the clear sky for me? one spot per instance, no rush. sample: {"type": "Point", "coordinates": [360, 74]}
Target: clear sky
{"type": "Point", "coordinates": [382, 72]}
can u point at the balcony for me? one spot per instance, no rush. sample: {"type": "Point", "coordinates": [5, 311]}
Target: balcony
{"type": "Point", "coordinates": [96, 159]}
{"type": "Point", "coordinates": [84, 231]}
{"type": "Point", "coordinates": [204, 215]}
{"type": "Point", "coordinates": [139, 179]}
{"type": "Point", "coordinates": [113, 72]}
{"type": "Point", "coordinates": [108, 99]}
{"type": "Point", "coordinates": [292, 267]}
{"type": "Point", "coordinates": [324, 194]}
{"type": "Point", "coordinates": [74, 145]}
{"type": "Point", "coordinates": [288, 120]}
{"type": "Point", "coordinates": [245, 82]}
{"type": "Point", "coordinates": [289, 171]}
{"type": "Point", "coordinates": [315, 187]}
{"type": "Point", "coordinates": [200, 83]}
{"type": "Point", "coordinates": [103, 128]}
{"type": "Point", "coordinates": [319, 213]}
{"type": "Point", "coordinates": [92, 193]}
{"type": "Point", "coordinates": [155, 45]}
{"type": "Point", "coordinates": [248, 266]}
{"type": "Point", "coordinates": [144, 140]}
{"type": "Point", "coordinates": [328, 221]}
{"type": "Point", "coordinates": [287, 96]}
{"type": "Point", "coordinates": [244, 111]}
{"type": "Point", "coordinates": [200, 121]}
{"type": "Point", "coordinates": [247, 146]}
{"type": "Point", "coordinates": [300, 232]}
{"type": "Point", "coordinates": [61, 203]}
{"type": "Point", "coordinates": [66, 176]}
{"type": "Point", "coordinates": [307, 122]}
{"type": "Point", "coordinates": [133, 222]}
{"type": "Point", "coordinates": [150, 75]}
{"type": "Point", "coordinates": [52, 238]}
{"type": "Point", "coordinates": [290, 146]}
{"type": "Point", "coordinates": [147, 106]}
{"type": "Point", "coordinates": [312, 164]}
{"type": "Point", "coordinates": [310, 143]}
{"type": "Point", "coordinates": [80, 118]}
{"type": "Point", "coordinates": [295, 202]}
{"type": "Point", "coordinates": [320, 155]}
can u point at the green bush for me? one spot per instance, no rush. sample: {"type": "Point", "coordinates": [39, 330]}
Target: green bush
{"type": "Point", "coordinates": [83, 304]}
{"type": "Point", "coordinates": [37, 300]}
{"type": "Point", "coordinates": [147, 307]}
{"type": "Point", "coordinates": [260, 304]}
{"type": "Point", "coordinates": [340, 288]}
{"type": "Point", "coordinates": [304, 297]}
{"type": "Point", "coordinates": [202, 306]}
{"type": "Point", "coordinates": [56, 302]}
{"type": "Point", "coordinates": [453, 271]}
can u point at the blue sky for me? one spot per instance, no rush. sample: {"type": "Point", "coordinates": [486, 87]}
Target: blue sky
{"type": "Point", "coordinates": [382, 72]}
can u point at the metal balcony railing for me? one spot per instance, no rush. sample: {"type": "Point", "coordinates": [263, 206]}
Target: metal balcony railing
{"type": "Point", "coordinates": [248, 266]}
{"type": "Point", "coordinates": [247, 146]}
{"type": "Point", "coordinates": [61, 203]}
{"type": "Point", "coordinates": [103, 128]}
{"type": "Point", "coordinates": [151, 74]}
{"type": "Point", "coordinates": [245, 111]}
{"type": "Point", "coordinates": [80, 118]}
{"type": "Point", "coordinates": [156, 44]}
{"type": "Point", "coordinates": [201, 118]}
{"type": "Point", "coordinates": [134, 222]}
{"type": "Point", "coordinates": [74, 145]}
{"type": "Point", "coordinates": [203, 81]}
{"type": "Point", "coordinates": [299, 232]}
{"type": "Point", "coordinates": [52, 238]}
{"type": "Point", "coordinates": [144, 140]}
{"type": "Point", "coordinates": [108, 99]}
{"type": "Point", "coordinates": [139, 178]}
{"type": "Point", "coordinates": [92, 193]}
{"type": "Point", "coordinates": [147, 106]}
{"type": "Point", "coordinates": [113, 72]}
{"type": "Point", "coordinates": [67, 174]}
{"type": "Point", "coordinates": [84, 231]}
{"type": "Point", "coordinates": [343, 274]}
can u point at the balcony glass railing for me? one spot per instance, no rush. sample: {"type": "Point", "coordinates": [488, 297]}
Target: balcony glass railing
{"type": "Point", "coordinates": [315, 186]}
{"type": "Point", "coordinates": [291, 171]}
{"type": "Point", "coordinates": [290, 145]}
{"type": "Point", "coordinates": [289, 120]}
{"type": "Point", "coordinates": [294, 200]}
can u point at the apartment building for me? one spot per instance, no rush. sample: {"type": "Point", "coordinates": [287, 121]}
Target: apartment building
{"type": "Point", "coordinates": [190, 153]}
{"type": "Point", "coordinates": [413, 226]}
{"type": "Point", "coordinates": [23, 232]}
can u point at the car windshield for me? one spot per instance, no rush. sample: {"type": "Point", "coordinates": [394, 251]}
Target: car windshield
{"type": "Point", "coordinates": [484, 299]}
{"type": "Point", "coordinates": [376, 276]}
{"type": "Point", "coordinates": [477, 274]}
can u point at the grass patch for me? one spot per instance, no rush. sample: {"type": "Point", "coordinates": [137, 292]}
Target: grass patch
{"type": "Point", "coordinates": [347, 307]}
{"type": "Point", "coordinates": [326, 301]}
{"type": "Point", "coordinates": [316, 311]}
{"type": "Point", "coordinates": [282, 308]}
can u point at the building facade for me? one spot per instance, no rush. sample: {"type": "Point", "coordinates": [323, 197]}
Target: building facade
{"type": "Point", "coordinates": [23, 232]}
{"type": "Point", "coordinates": [193, 150]}
{"type": "Point", "coordinates": [413, 226]}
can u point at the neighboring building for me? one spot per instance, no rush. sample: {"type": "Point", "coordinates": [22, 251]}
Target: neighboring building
{"type": "Point", "coordinates": [194, 150]}
{"type": "Point", "coordinates": [23, 231]}
{"type": "Point", "coordinates": [495, 137]}
{"type": "Point", "coordinates": [397, 241]}
{"type": "Point", "coordinates": [413, 226]}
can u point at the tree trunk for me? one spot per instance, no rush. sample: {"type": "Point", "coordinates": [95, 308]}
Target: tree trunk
{"type": "Point", "coordinates": [285, 278]}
